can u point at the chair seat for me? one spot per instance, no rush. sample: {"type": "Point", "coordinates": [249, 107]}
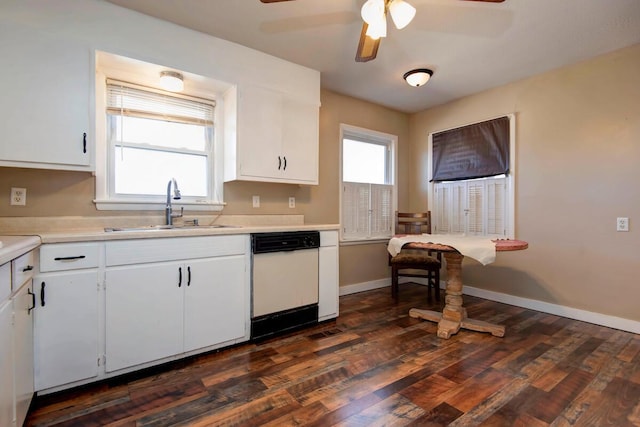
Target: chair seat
{"type": "Point", "coordinates": [414, 258]}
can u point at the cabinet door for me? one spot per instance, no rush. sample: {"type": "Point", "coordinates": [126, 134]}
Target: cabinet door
{"type": "Point", "coordinates": [300, 141]}
{"type": "Point", "coordinates": [260, 133]}
{"type": "Point", "coordinates": [23, 305]}
{"type": "Point", "coordinates": [66, 328]}
{"type": "Point", "coordinates": [144, 307]}
{"type": "Point", "coordinates": [45, 98]}
{"type": "Point", "coordinates": [6, 365]}
{"type": "Point", "coordinates": [215, 302]}
{"type": "Point", "coordinates": [328, 282]}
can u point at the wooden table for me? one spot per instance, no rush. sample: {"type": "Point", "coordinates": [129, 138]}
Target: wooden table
{"type": "Point", "coordinates": [454, 315]}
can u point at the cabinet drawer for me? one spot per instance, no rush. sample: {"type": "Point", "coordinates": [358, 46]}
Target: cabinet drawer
{"type": "Point", "coordinates": [22, 269]}
{"type": "Point", "coordinates": [328, 238]}
{"type": "Point", "coordinates": [69, 256]}
{"type": "Point", "coordinates": [126, 252]}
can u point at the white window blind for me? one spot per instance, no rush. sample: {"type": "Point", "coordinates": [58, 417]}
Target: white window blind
{"type": "Point", "coordinates": [126, 99]}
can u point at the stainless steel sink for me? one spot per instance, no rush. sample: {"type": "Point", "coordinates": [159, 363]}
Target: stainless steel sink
{"type": "Point", "coordinates": [166, 227]}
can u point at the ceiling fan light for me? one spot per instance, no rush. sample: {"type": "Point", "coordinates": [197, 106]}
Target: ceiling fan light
{"type": "Point", "coordinates": [377, 29]}
{"type": "Point", "coordinates": [372, 10]}
{"type": "Point", "coordinates": [402, 13]}
{"type": "Point", "coordinates": [171, 81]}
{"type": "Point", "coordinates": [418, 77]}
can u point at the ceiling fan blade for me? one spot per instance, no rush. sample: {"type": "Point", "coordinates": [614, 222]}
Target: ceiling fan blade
{"type": "Point", "coordinates": [367, 47]}
{"type": "Point", "coordinates": [273, 1]}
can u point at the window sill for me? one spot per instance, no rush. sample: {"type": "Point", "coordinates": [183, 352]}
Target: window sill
{"type": "Point", "coordinates": [147, 205]}
{"type": "Point", "coordinates": [384, 240]}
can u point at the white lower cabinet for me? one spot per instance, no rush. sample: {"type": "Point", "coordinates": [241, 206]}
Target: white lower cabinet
{"type": "Point", "coordinates": [143, 314]}
{"type": "Point", "coordinates": [66, 328]}
{"type": "Point", "coordinates": [16, 341]}
{"type": "Point", "coordinates": [214, 303]}
{"type": "Point", "coordinates": [157, 310]}
{"type": "Point", "coordinates": [23, 304]}
{"type": "Point", "coordinates": [6, 364]}
{"type": "Point", "coordinates": [328, 294]}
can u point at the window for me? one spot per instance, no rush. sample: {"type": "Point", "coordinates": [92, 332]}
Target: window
{"type": "Point", "coordinates": [151, 137]}
{"type": "Point", "coordinates": [368, 184]}
{"type": "Point", "coordinates": [478, 197]}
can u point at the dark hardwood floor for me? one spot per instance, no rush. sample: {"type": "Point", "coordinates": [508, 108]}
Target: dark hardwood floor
{"type": "Point", "coordinates": [376, 366]}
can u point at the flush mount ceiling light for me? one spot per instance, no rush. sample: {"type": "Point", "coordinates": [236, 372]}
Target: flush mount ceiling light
{"type": "Point", "coordinates": [171, 81]}
{"type": "Point", "coordinates": [374, 14]}
{"type": "Point", "coordinates": [418, 77]}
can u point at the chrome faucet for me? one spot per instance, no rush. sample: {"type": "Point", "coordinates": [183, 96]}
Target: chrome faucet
{"type": "Point", "coordinates": [168, 210]}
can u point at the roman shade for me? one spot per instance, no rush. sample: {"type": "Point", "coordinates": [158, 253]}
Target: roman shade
{"type": "Point", "coordinates": [474, 151]}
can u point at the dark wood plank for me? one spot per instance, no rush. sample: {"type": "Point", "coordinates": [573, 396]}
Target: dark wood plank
{"type": "Point", "coordinates": [375, 365]}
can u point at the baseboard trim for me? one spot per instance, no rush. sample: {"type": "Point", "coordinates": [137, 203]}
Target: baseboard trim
{"type": "Point", "coordinates": [364, 286]}
{"type": "Point", "coordinates": [558, 310]}
{"type": "Point", "coordinates": [614, 322]}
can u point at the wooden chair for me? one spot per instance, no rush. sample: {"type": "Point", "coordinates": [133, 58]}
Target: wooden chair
{"type": "Point", "coordinates": [415, 263]}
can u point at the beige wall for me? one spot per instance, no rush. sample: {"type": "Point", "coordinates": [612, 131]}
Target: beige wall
{"type": "Point", "coordinates": [578, 146]}
{"type": "Point", "coordinates": [63, 193]}
{"type": "Point", "coordinates": [578, 151]}
{"type": "Point", "coordinates": [358, 263]}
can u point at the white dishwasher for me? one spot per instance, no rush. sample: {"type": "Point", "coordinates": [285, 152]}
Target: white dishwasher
{"type": "Point", "coordinates": [284, 282]}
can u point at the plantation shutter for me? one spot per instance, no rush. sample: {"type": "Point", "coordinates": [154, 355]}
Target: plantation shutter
{"type": "Point", "coordinates": [381, 210]}
{"type": "Point", "coordinates": [474, 210]}
{"type": "Point", "coordinates": [355, 206]}
{"type": "Point", "coordinates": [367, 210]}
{"type": "Point", "coordinates": [496, 206]}
{"type": "Point", "coordinates": [471, 207]}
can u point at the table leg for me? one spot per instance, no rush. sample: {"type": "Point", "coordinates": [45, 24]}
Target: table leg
{"type": "Point", "coordinates": [454, 315]}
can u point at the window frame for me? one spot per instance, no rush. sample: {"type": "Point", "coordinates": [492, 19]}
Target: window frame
{"type": "Point", "coordinates": [510, 181]}
{"type": "Point", "coordinates": [391, 143]}
{"type": "Point", "coordinates": [106, 199]}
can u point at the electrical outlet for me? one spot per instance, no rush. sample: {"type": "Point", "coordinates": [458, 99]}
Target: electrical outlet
{"type": "Point", "coordinates": [622, 224]}
{"type": "Point", "coordinates": [18, 196]}
{"type": "Point", "coordinates": [292, 202]}
{"type": "Point", "coordinates": [256, 201]}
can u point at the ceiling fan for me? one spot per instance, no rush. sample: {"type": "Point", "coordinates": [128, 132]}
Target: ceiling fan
{"type": "Point", "coordinates": [374, 27]}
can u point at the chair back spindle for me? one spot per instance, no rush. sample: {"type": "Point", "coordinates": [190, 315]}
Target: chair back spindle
{"type": "Point", "coordinates": [413, 223]}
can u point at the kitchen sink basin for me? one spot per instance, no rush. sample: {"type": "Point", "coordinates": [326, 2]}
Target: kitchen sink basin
{"type": "Point", "coordinates": [166, 227]}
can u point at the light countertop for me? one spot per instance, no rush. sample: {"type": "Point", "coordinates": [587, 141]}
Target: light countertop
{"type": "Point", "coordinates": [14, 246]}
{"type": "Point", "coordinates": [84, 235]}
{"type": "Point", "coordinates": [84, 229]}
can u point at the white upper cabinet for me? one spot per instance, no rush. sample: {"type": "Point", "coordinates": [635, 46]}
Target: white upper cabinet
{"type": "Point", "coordinates": [276, 140]}
{"type": "Point", "coordinates": [45, 102]}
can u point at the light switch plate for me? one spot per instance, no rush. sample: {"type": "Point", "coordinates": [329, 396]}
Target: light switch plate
{"type": "Point", "coordinates": [256, 201]}
{"type": "Point", "coordinates": [292, 202]}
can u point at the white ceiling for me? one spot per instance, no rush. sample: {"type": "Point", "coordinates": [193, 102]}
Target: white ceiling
{"type": "Point", "coordinates": [471, 46]}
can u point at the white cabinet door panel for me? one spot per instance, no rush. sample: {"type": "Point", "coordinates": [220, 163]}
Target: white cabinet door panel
{"type": "Point", "coordinates": [66, 328]}
{"type": "Point", "coordinates": [23, 350]}
{"type": "Point", "coordinates": [144, 313]}
{"type": "Point", "coordinates": [328, 282]}
{"type": "Point", "coordinates": [300, 141]}
{"type": "Point", "coordinates": [6, 365]}
{"type": "Point", "coordinates": [260, 132]}
{"type": "Point", "coordinates": [215, 302]}
{"type": "Point", "coordinates": [45, 102]}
